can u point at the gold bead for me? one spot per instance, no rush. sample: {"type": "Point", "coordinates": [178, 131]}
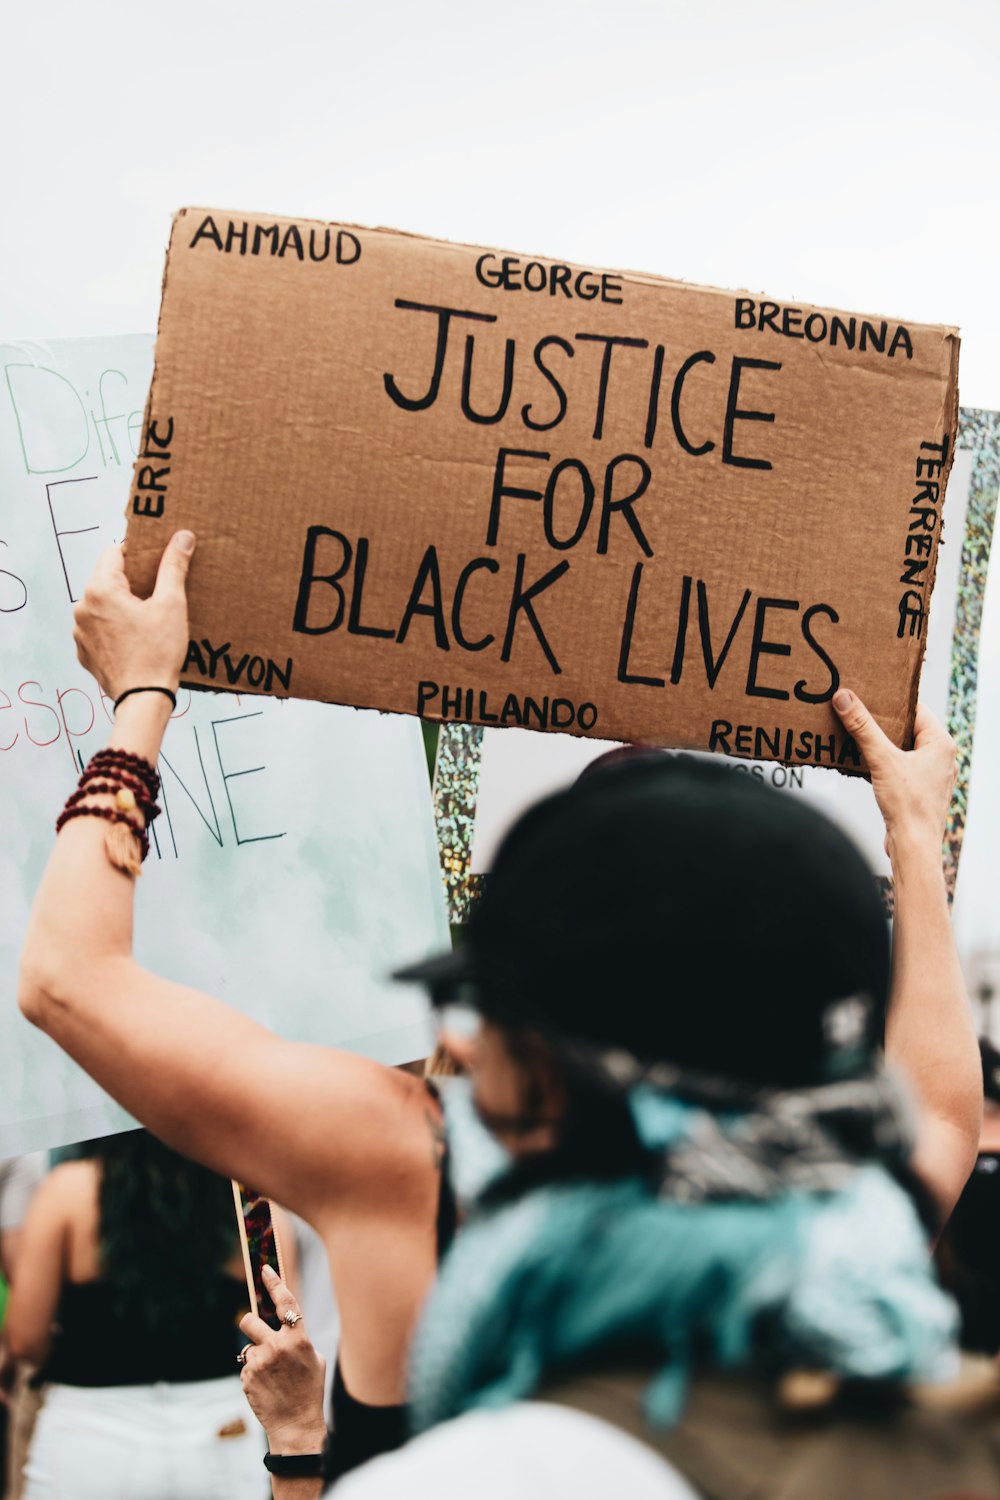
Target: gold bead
{"type": "Point", "coordinates": [125, 798]}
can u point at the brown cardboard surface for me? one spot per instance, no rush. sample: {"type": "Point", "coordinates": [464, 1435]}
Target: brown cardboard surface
{"type": "Point", "coordinates": [472, 485]}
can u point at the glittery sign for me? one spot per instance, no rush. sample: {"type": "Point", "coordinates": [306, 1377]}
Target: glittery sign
{"type": "Point", "coordinates": [456, 791]}
{"type": "Point", "coordinates": [979, 432]}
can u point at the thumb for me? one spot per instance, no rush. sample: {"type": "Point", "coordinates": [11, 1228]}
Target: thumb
{"type": "Point", "coordinates": [867, 735]}
{"type": "Point", "coordinates": [172, 573]}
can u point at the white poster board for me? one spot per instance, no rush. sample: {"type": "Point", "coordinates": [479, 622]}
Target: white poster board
{"type": "Point", "coordinates": [518, 766]}
{"type": "Point", "coordinates": [295, 862]}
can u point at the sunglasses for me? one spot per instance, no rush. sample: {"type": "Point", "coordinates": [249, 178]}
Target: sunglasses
{"type": "Point", "coordinates": [457, 1018]}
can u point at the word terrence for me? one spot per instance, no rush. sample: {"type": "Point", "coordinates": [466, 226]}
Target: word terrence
{"type": "Point", "coordinates": [454, 605]}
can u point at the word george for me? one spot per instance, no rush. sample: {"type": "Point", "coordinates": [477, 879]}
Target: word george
{"type": "Point", "coordinates": [920, 538]}
{"type": "Point", "coordinates": [714, 659]}
{"type": "Point", "coordinates": [256, 671]}
{"type": "Point", "coordinates": [786, 744]}
{"type": "Point", "coordinates": [151, 483]}
{"type": "Point", "coordinates": [540, 276]}
{"type": "Point", "coordinates": [819, 330]}
{"type": "Point", "coordinates": [54, 426]}
{"type": "Point", "coordinates": [592, 387]}
{"type": "Point", "coordinates": [471, 705]}
{"type": "Point", "coordinates": [426, 597]}
{"type": "Point", "coordinates": [292, 239]}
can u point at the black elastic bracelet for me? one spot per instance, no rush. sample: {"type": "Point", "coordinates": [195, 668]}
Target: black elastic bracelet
{"type": "Point", "coordinates": [296, 1465]}
{"type": "Point", "coordinates": [165, 691]}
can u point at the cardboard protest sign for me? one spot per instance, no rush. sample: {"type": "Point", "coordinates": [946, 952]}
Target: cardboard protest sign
{"type": "Point", "coordinates": [294, 864]}
{"type": "Point", "coordinates": [500, 489]}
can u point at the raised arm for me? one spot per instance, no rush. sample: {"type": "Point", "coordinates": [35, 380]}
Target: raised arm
{"type": "Point", "coordinates": [929, 1028]}
{"type": "Point", "coordinates": [311, 1126]}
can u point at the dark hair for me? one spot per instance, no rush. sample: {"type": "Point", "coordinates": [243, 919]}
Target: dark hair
{"type": "Point", "coordinates": [167, 1226]}
{"type": "Point", "coordinates": [598, 1140]}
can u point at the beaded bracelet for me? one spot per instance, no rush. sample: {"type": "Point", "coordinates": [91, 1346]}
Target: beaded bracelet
{"type": "Point", "coordinates": [125, 798]}
{"type": "Point", "coordinates": [134, 784]}
{"type": "Point", "coordinates": [140, 786]}
{"type": "Point", "coordinates": [123, 760]}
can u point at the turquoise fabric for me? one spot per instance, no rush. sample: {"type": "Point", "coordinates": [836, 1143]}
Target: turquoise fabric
{"type": "Point", "coordinates": [840, 1281]}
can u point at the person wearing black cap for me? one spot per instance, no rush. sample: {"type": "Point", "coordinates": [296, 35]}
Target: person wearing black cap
{"type": "Point", "coordinates": [682, 988]}
{"type": "Point", "coordinates": [681, 981]}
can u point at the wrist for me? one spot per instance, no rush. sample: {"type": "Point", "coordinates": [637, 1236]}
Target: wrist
{"type": "Point", "coordinates": [291, 1439]}
{"type": "Point", "coordinates": [918, 878]}
{"type": "Point", "coordinates": [140, 723]}
{"type": "Point", "coordinates": [914, 847]}
{"type": "Point", "coordinates": [150, 689]}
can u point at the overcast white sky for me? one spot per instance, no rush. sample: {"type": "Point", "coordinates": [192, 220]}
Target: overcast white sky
{"type": "Point", "coordinates": [843, 154]}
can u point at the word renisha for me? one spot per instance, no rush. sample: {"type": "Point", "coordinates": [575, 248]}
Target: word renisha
{"type": "Point", "coordinates": [783, 744]}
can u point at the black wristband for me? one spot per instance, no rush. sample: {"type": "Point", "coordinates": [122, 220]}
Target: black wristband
{"type": "Point", "coordinates": [164, 690]}
{"type": "Point", "coordinates": [296, 1465]}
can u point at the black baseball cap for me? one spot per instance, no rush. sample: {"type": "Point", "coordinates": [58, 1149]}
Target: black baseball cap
{"type": "Point", "coordinates": [683, 912]}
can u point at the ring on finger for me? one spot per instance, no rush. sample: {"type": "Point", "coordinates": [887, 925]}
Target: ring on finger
{"type": "Point", "coordinates": [291, 1318]}
{"type": "Point", "coordinates": [241, 1358]}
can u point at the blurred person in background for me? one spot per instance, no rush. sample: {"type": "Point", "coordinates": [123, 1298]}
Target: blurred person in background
{"type": "Point", "coordinates": [20, 1177]}
{"type": "Point", "coordinates": [129, 1293]}
{"type": "Point", "coordinates": [712, 1243]}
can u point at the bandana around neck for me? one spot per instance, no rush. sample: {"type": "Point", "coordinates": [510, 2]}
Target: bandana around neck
{"type": "Point", "coordinates": [773, 1236]}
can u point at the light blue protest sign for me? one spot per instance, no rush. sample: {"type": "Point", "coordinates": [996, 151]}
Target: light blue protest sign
{"type": "Point", "coordinates": [294, 864]}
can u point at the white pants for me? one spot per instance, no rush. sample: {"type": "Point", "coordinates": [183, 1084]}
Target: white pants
{"type": "Point", "coordinates": [194, 1441]}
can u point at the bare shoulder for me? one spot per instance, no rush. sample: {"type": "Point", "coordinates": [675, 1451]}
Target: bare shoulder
{"type": "Point", "coordinates": [65, 1199]}
{"type": "Point", "coordinates": [366, 1134]}
{"type": "Point", "coordinates": [72, 1183]}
